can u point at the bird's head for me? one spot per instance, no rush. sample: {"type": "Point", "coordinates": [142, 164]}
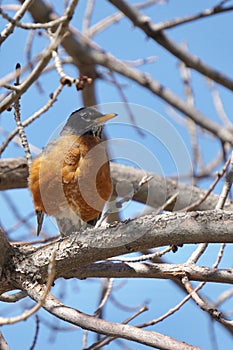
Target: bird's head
{"type": "Point", "coordinates": [86, 120]}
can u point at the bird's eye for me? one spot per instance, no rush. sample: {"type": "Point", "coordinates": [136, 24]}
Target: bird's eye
{"type": "Point", "coordinates": [85, 118]}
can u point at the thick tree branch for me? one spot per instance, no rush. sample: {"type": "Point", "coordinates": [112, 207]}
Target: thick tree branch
{"type": "Point", "coordinates": [14, 173]}
{"type": "Point", "coordinates": [68, 314]}
{"type": "Point", "coordinates": [119, 269]}
{"type": "Point", "coordinates": [122, 238]}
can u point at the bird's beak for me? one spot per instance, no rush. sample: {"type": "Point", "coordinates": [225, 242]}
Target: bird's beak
{"type": "Point", "coordinates": [104, 118]}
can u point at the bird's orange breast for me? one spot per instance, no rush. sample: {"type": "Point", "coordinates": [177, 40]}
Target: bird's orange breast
{"type": "Point", "coordinates": [72, 173]}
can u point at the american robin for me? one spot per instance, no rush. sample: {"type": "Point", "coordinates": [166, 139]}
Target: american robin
{"type": "Point", "coordinates": [70, 180]}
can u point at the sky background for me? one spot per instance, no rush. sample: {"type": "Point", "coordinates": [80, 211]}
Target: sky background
{"type": "Point", "coordinates": [164, 148]}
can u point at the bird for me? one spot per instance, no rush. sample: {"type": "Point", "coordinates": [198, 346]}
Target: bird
{"type": "Point", "coordinates": [70, 180]}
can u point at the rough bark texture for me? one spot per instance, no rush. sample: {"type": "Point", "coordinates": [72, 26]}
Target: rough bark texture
{"type": "Point", "coordinates": [101, 243]}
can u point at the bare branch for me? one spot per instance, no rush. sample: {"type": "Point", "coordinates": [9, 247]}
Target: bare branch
{"type": "Point", "coordinates": [3, 343]}
{"type": "Point", "coordinates": [126, 269]}
{"type": "Point", "coordinates": [116, 17]}
{"type": "Point", "coordinates": [206, 306]}
{"type": "Point", "coordinates": [14, 173]}
{"type": "Point", "coordinates": [28, 121]}
{"type": "Point", "coordinates": [68, 314]}
{"type": "Point", "coordinates": [107, 340]}
{"type": "Point", "coordinates": [87, 54]}
{"type": "Point", "coordinates": [12, 298]}
{"type": "Point", "coordinates": [122, 238]}
{"type": "Point", "coordinates": [144, 23]}
{"type": "Point", "coordinates": [227, 186]}
{"type": "Point", "coordinates": [106, 291]}
{"type": "Point", "coordinates": [219, 175]}
{"type": "Point", "coordinates": [17, 115]}
{"type": "Point", "coordinates": [144, 257]}
{"type": "Point", "coordinates": [46, 55]}
{"type": "Point", "coordinates": [10, 26]}
{"type": "Point", "coordinates": [218, 103]}
{"type": "Point", "coordinates": [87, 16]}
{"type": "Point", "coordinates": [169, 312]}
{"type": "Point", "coordinates": [204, 14]}
{"type": "Point", "coordinates": [17, 23]}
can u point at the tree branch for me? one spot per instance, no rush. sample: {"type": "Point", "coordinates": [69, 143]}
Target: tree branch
{"type": "Point", "coordinates": [87, 55]}
{"type": "Point", "coordinates": [33, 76]}
{"type": "Point", "coordinates": [144, 23]}
{"type": "Point", "coordinates": [68, 314]}
{"type": "Point", "coordinates": [216, 10]}
{"type": "Point", "coordinates": [14, 173]}
{"type": "Point", "coordinates": [42, 12]}
{"type": "Point", "coordinates": [117, 269]}
{"type": "Point", "coordinates": [122, 238]}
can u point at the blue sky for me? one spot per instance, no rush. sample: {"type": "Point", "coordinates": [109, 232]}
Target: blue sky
{"type": "Point", "coordinates": [165, 146]}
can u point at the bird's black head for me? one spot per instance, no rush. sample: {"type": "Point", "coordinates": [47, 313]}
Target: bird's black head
{"type": "Point", "coordinates": [86, 120]}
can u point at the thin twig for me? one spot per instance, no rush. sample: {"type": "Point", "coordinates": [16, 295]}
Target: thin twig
{"type": "Point", "coordinates": [114, 18]}
{"type": "Point", "coordinates": [10, 26]}
{"type": "Point", "coordinates": [203, 304]}
{"type": "Point", "coordinates": [87, 16]}
{"type": "Point", "coordinates": [169, 312]}
{"type": "Point", "coordinates": [227, 186]}
{"type": "Point", "coordinates": [178, 21]}
{"type": "Point", "coordinates": [218, 103]}
{"type": "Point", "coordinates": [105, 297]}
{"type": "Point", "coordinates": [185, 73]}
{"type": "Point", "coordinates": [45, 108]}
{"type": "Point", "coordinates": [45, 58]}
{"type": "Point", "coordinates": [20, 127]}
{"type": "Point", "coordinates": [195, 256]}
{"type": "Point", "coordinates": [107, 340]}
{"type": "Point", "coordinates": [32, 347]}
{"type": "Point", "coordinates": [144, 257]}
{"type": "Point", "coordinates": [203, 246]}
{"type": "Point", "coordinates": [58, 66]}
{"type": "Point", "coordinates": [126, 104]}
{"type": "Point", "coordinates": [79, 82]}
{"type": "Point", "coordinates": [28, 51]}
{"type": "Point", "coordinates": [219, 175]}
{"type": "Point", "coordinates": [219, 256]}
{"type": "Point", "coordinates": [168, 203]}
{"type": "Point", "coordinates": [12, 298]}
{"type": "Point", "coordinates": [227, 294]}
{"type": "Point", "coordinates": [33, 26]}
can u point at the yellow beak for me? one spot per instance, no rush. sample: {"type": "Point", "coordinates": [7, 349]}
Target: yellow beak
{"type": "Point", "coordinates": [106, 117]}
